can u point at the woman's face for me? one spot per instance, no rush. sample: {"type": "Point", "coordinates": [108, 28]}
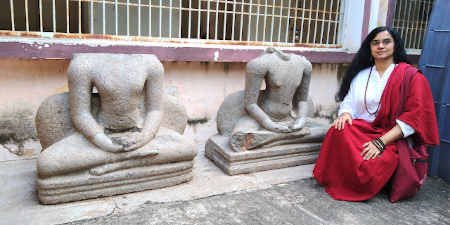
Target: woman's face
{"type": "Point", "coordinates": [382, 46]}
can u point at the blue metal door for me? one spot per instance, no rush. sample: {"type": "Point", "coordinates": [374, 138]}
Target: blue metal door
{"type": "Point", "coordinates": [435, 63]}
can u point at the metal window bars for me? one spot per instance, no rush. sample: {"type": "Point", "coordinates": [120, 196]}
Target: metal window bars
{"type": "Point", "coordinates": [304, 22]}
{"type": "Point", "coordinates": [411, 19]}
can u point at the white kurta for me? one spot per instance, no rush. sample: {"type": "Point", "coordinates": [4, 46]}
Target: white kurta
{"type": "Point", "coordinates": [354, 100]}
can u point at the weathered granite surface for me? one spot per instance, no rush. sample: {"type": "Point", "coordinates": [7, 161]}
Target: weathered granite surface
{"type": "Point", "coordinates": [126, 137]}
{"type": "Point", "coordinates": [217, 149]}
{"type": "Point", "coordinates": [274, 125]}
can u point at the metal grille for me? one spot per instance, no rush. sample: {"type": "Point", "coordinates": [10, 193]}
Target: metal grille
{"type": "Point", "coordinates": [410, 20]}
{"type": "Point", "coordinates": [292, 22]}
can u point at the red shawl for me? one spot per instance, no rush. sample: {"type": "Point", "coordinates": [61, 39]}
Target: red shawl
{"type": "Point", "coordinates": [341, 169]}
{"type": "Point", "coordinates": [418, 111]}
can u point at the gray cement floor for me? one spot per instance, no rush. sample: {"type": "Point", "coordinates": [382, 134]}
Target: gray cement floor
{"type": "Point", "coordinates": [297, 202]}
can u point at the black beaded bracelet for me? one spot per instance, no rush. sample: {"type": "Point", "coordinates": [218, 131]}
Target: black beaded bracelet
{"type": "Point", "coordinates": [382, 143]}
{"type": "Point", "coordinates": [379, 144]}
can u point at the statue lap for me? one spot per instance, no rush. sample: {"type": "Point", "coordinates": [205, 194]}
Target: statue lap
{"type": "Point", "coordinates": [74, 153]}
{"type": "Point", "coordinates": [232, 119]}
{"type": "Point", "coordinates": [234, 123]}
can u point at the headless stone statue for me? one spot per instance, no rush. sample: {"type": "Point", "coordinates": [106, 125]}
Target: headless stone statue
{"type": "Point", "coordinates": [110, 136]}
{"type": "Point", "coordinates": [278, 114]}
{"type": "Point", "coordinates": [259, 120]}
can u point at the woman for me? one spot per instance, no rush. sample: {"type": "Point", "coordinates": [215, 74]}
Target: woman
{"type": "Point", "coordinates": [359, 153]}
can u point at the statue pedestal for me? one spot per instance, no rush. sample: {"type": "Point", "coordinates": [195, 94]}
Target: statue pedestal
{"type": "Point", "coordinates": [82, 185]}
{"type": "Point", "coordinates": [218, 150]}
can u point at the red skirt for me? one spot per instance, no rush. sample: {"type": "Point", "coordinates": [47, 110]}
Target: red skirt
{"type": "Point", "coordinates": [342, 170]}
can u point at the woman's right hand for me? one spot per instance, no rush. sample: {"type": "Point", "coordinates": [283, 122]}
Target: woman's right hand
{"type": "Point", "coordinates": [339, 123]}
{"type": "Point", "coordinates": [105, 143]}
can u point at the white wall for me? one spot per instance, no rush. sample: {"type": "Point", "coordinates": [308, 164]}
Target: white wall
{"type": "Point", "coordinates": [352, 24]}
{"type": "Point", "coordinates": [378, 13]}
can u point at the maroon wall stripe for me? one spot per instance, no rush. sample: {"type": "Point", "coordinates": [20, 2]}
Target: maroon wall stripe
{"type": "Point", "coordinates": [366, 19]}
{"type": "Point", "coordinates": [390, 13]}
{"type": "Point", "coordinates": [65, 51]}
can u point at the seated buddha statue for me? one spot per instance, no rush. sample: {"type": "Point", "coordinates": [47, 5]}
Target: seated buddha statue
{"type": "Point", "coordinates": [278, 114]}
{"type": "Point", "coordinates": [256, 120]}
{"type": "Point", "coordinates": [114, 122]}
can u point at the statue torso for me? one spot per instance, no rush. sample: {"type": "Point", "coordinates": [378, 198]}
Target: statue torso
{"type": "Point", "coordinates": [282, 80]}
{"type": "Point", "coordinates": [122, 93]}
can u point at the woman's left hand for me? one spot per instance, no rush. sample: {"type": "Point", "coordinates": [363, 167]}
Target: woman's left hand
{"type": "Point", "coordinates": [370, 151]}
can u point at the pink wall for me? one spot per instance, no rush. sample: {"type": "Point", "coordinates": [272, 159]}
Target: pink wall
{"type": "Point", "coordinates": [30, 81]}
{"type": "Point", "coordinates": [201, 86]}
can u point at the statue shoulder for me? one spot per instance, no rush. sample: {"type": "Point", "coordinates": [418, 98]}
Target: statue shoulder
{"type": "Point", "coordinates": [149, 58]}
{"type": "Point", "coordinates": [303, 61]}
{"type": "Point", "coordinates": [154, 66]}
{"type": "Point", "coordinates": [80, 65]}
{"type": "Point", "coordinates": [258, 65]}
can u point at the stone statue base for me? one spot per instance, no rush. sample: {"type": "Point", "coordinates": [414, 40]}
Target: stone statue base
{"type": "Point", "coordinates": [83, 185]}
{"type": "Point", "coordinates": [218, 150]}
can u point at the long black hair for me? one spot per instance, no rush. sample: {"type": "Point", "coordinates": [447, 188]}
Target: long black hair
{"type": "Point", "coordinates": [363, 58]}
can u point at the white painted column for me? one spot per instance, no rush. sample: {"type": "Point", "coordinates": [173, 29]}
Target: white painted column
{"type": "Point", "coordinates": [378, 13]}
{"type": "Point", "coordinates": [351, 30]}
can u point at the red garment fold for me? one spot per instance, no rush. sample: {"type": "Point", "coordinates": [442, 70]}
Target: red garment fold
{"type": "Point", "coordinates": [340, 167]}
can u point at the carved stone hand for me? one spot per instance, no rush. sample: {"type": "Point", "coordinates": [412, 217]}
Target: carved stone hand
{"type": "Point", "coordinates": [105, 143]}
{"type": "Point", "coordinates": [298, 124]}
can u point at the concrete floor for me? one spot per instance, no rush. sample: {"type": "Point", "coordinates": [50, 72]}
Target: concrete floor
{"type": "Point", "coordinates": [297, 202]}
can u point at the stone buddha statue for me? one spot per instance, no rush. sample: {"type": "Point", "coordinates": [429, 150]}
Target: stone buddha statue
{"type": "Point", "coordinates": [114, 132]}
{"type": "Point", "coordinates": [258, 123]}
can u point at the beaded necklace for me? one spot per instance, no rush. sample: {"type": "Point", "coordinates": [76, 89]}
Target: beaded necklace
{"type": "Point", "coordinates": [365, 94]}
